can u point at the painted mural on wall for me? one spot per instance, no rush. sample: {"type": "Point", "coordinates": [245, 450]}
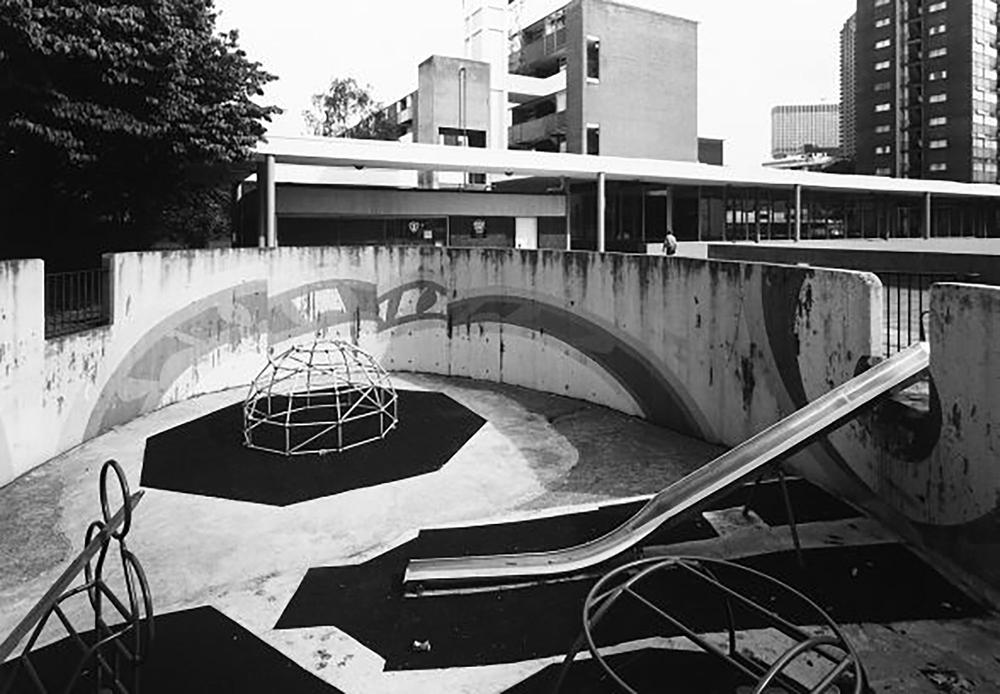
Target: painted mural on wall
{"type": "Point", "coordinates": [223, 319]}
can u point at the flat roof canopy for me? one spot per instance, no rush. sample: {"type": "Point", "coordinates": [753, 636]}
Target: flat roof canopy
{"type": "Point", "coordinates": [343, 152]}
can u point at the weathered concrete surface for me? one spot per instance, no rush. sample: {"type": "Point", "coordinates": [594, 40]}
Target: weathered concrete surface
{"type": "Point", "coordinates": [22, 350]}
{"type": "Point", "coordinates": [536, 451]}
{"type": "Point", "coordinates": [959, 485]}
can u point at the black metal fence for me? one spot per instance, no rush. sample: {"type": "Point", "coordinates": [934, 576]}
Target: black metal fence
{"type": "Point", "coordinates": [906, 306]}
{"type": "Point", "coordinates": [76, 301]}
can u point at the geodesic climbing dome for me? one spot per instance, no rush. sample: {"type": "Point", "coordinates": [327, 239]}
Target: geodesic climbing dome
{"type": "Point", "coordinates": [320, 398]}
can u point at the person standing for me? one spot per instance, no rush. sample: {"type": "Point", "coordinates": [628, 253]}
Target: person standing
{"type": "Point", "coordinates": [670, 243]}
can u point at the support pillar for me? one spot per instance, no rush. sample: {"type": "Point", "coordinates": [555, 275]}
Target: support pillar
{"type": "Point", "coordinates": [669, 197]}
{"type": "Point", "coordinates": [267, 234]}
{"type": "Point", "coordinates": [798, 212]}
{"type": "Point", "coordinates": [927, 215]}
{"type": "Point", "coordinates": [601, 207]}
{"type": "Point", "coordinates": [569, 212]}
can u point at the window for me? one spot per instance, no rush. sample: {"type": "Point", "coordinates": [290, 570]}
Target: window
{"type": "Point", "coordinates": [937, 52]}
{"type": "Point", "coordinates": [883, 107]}
{"type": "Point", "coordinates": [883, 171]}
{"type": "Point", "coordinates": [937, 75]}
{"type": "Point", "coordinates": [883, 22]}
{"type": "Point", "coordinates": [939, 29]}
{"type": "Point", "coordinates": [883, 86]}
{"type": "Point", "coordinates": [879, 3]}
{"type": "Point", "coordinates": [937, 6]}
{"type": "Point", "coordinates": [882, 65]}
{"type": "Point", "coordinates": [593, 58]}
{"type": "Point", "coordinates": [937, 120]}
{"type": "Point", "coordinates": [593, 139]}
{"type": "Point", "coordinates": [938, 144]}
{"type": "Point", "coordinates": [456, 137]}
{"type": "Point", "coordinates": [884, 43]}
{"type": "Point", "coordinates": [939, 166]}
{"type": "Point", "coordinates": [883, 149]}
{"type": "Point", "coordinates": [937, 98]}
{"type": "Point", "coordinates": [882, 129]}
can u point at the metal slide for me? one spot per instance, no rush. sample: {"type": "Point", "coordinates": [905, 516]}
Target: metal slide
{"type": "Point", "coordinates": [732, 467]}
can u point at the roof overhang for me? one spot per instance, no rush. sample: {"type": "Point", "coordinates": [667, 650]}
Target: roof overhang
{"type": "Point", "coordinates": [375, 154]}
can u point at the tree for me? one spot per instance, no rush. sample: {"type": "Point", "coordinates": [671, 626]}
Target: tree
{"type": "Point", "coordinates": [346, 109]}
{"type": "Point", "coordinates": [114, 111]}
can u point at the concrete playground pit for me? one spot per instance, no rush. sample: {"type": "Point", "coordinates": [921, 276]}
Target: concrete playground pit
{"type": "Point", "coordinates": [290, 579]}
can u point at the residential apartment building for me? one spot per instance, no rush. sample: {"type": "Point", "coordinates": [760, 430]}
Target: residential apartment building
{"type": "Point", "coordinates": [623, 82]}
{"type": "Point", "coordinates": [587, 77]}
{"type": "Point", "coordinates": [848, 86]}
{"type": "Point", "coordinates": [799, 128]}
{"type": "Point", "coordinates": [926, 99]}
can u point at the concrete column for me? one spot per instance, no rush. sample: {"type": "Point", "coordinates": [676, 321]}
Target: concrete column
{"type": "Point", "coordinates": [601, 207]}
{"type": "Point", "coordinates": [927, 215]}
{"type": "Point", "coordinates": [569, 212]}
{"type": "Point", "coordinates": [267, 235]}
{"type": "Point", "coordinates": [670, 209]}
{"type": "Point", "coordinates": [798, 212]}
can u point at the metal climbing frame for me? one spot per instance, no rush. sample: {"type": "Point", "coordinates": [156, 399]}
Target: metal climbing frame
{"type": "Point", "coordinates": [320, 398]}
{"type": "Point", "coordinates": [844, 668]}
{"type": "Point", "coordinates": [110, 656]}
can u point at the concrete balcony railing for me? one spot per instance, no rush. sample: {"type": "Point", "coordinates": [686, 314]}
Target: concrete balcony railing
{"type": "Point", "coordinates": [547, 46]}
{"type": "Point", "coordinates": [537, 129]}
{"type": "Point", "coordinates": [522, 88]}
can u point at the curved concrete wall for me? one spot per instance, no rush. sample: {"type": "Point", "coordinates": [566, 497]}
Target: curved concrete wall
{"type": "Point", "coordinates": [715, 349]}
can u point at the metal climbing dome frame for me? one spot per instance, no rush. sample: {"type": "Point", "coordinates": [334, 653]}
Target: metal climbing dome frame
{"type": "Point", "coordinates": [326, 397]}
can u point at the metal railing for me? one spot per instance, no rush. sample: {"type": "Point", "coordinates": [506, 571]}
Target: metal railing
{"type": "Point", "coordinates": [110, 655]}
{"type": "Point", "coordinates": [906, 306]}
{"type": "Point", "coordinates": [76, 301]}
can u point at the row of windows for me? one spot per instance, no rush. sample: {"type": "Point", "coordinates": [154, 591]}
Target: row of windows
{"type": "Point", "coordinates": [933, 99]}
{"type": "Point", "coordinates": [935, 122]}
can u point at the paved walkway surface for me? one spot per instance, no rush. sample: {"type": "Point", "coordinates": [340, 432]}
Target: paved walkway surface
{"type": "Point", "coordinates": [536, 453]}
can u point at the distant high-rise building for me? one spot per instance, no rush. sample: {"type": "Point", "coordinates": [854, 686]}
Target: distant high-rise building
{"type": "Point", "coordinates": [798, 128]}
{"type": "Point", "coordinates": [926, 98]}
{"type": "Point", "coordinates": [848, 85]}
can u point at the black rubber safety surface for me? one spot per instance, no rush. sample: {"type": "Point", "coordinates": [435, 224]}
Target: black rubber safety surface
{"type": "Point", "coordinates": [206, 456]}
{"type": "Point", "coordinates": [196, 650]}
{"type": "Point", "coordinates": [870, 583]}
{"type": "Point", "coordinates": [645, 670]}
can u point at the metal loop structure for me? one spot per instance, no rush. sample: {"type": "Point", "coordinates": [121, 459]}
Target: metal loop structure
{"type": "Point", "coordinates": [843, 670]}
{"type": "Point", "coordinates": [326, 397]}
{"type": "Point", "coordinates": [111, 655]}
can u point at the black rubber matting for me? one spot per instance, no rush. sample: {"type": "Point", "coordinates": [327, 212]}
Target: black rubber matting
{"type": "Point", "coordinates": [206, 456]}
{"type": "Point", "coordinates": [871, 583]}
{"type": "Point", "coordinates": [196, 650]}
{"type": "Point", "coordinates": [645, 670]}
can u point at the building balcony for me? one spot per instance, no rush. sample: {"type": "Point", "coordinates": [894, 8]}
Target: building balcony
{"type": "Point", "coordinates": [522, 88]}
{"type": "Point", "coordinates": [539, 57]}
{"type": "Point", "coordinates": [536, 130]}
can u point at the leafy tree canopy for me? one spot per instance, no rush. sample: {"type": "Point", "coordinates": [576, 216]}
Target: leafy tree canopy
{"type": "Point", "coordinates": [347, 109]}
{"type": "Point", "coordinates": [111, 109]}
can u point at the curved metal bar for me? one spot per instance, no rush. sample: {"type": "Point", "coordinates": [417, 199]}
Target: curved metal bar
{"type": "Point", "coordinates": [137, 614]}
{"type": "Point", "coordinates": [625, 580]}
{"type": "Point", "coordinates": [793, 653]}
{"type": "Point", "coordinates": [715, 477]}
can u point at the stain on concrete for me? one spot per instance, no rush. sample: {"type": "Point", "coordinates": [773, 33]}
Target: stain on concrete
{"type": "Point", "coordinates": [32, 543]}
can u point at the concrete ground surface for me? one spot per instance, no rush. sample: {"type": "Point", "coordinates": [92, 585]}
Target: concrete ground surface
{"type": "Point", "coordinates": [536, 454]}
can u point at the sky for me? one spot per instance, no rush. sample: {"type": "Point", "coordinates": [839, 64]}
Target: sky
{"type": "Point", "coordinates": [752, 54]}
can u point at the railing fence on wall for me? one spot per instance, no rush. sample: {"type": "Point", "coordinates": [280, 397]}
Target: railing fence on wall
{"type": "Point", "coordinates": [76, 301]}
{"type": "Point", "coordinates": [906, 305]}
